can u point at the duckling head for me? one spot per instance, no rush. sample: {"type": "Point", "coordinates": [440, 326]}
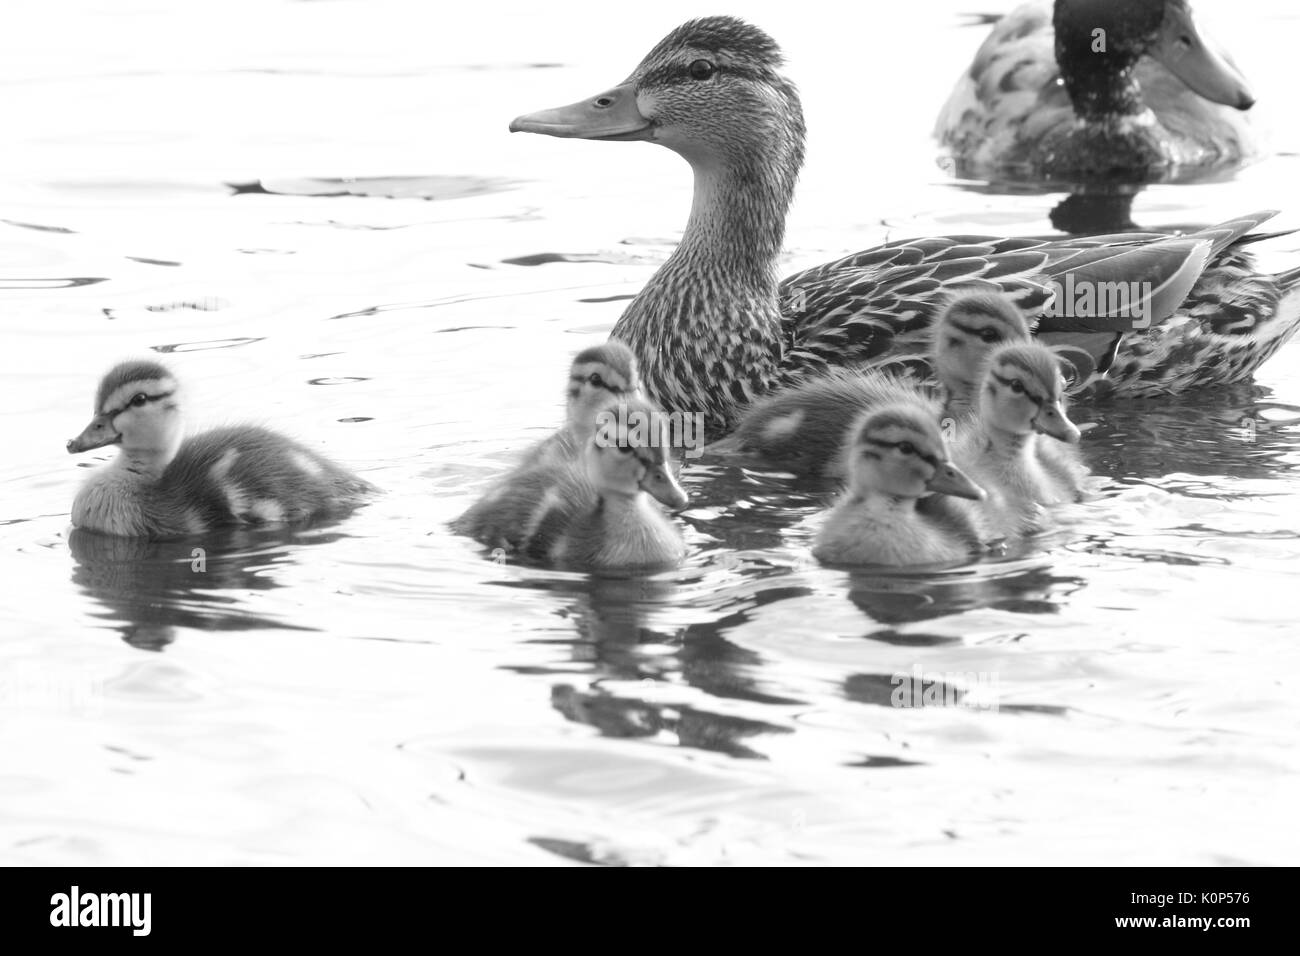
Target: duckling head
{"type": "Point", "coordinates": [1024, 392]}
{"type": "Point", "coordinates": [966, 331]}
{"type": "Point", "coordinates": [1098, 42]}
{"type": "Point", "coordinates": [898, 451]}
{"type": "Point", "coordinates": [599, 375]}
{"type": "Point", "coordinates": [138, 407]}
{"type": "Point", "coordinates": [710, 90]}
{"type": "Point", "coordinates": [629, 454]}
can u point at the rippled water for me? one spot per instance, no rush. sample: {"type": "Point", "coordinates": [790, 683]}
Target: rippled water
{"type": "Point", "coordinates": [314, 211]}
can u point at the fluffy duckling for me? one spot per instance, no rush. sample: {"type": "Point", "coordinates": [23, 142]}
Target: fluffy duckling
{"type": "Point", "coordinates": [1021, 399]}
{"type": "Point", "coordinates": [163, 485]}
{"type": "Point", "coordinates": [598, 375]}
{"type": "Point", "coordinates": [896, 456]}
{"type": "Point", "coordinates": [802, 429]}
{"type": "Point", "coordinates": [595, 512]}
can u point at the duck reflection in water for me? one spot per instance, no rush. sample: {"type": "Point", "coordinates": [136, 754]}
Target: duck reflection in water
{"type": "Point", "coordinates": [642, 631]}
{"type": "Point", "coordinates": [151, 588]}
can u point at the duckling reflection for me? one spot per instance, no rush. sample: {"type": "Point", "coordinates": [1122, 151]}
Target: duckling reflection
{"type": "Point", "coordinates": [638, 630]}
{"type": "Point", "coordinates": [895, 600]}
{"type": "Point", "coordinates": [151, 587]}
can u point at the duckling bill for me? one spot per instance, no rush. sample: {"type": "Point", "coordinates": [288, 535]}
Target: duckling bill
{"type": "Point", "coordinates": [163, 485]}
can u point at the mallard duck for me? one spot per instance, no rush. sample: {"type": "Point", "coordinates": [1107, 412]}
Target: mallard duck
{"type": "Point", "coordinates": [896, 456]}
{"type": "Point", "coordinates": [1086, 91]}
{"type": "Point", "coordinates": [598, 375]}
{"type": "Point", "coordinates": [1021, 403]}
{"type": "Point", "coordinates": [595, 512]}
{"type": "Point", "coordinates": [713, 331]}
{"type": "Point", "coordinates": [163, 485]}
{"type": "Point", "coordinates": [802, 428]}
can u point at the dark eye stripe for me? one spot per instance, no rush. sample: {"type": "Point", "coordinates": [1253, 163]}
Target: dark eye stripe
{"type": "Point", "coordinates": [929, 459]}
{"type": "Point", "coordinates": [586, 380]}
{"type": "Point", "coordinates": [152, 398]}
{"type": "Point", "coordinates": [1007, 383]}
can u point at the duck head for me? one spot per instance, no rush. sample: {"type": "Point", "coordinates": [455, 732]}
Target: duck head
{"type": "Point", "coordinates": [599, 375]}
{"type": "Point", "coordinates": [137, 407]}
{"type": "Point", "coordinates": [629, 454]}
{"type": "Point", "coordinates": [965, 332]}
{"type": "Point", "coordinates": [710, 90]}
{"type": "Point", "coordinates": [1024, 392]}
{"type": "Point", "coordinates": [897, 450]}
{"type": "Point", "coordinates": [1098, 43]}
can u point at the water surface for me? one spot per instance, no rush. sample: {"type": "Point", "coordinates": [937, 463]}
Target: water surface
{"type": "Point", "coordinates": [314, 212]}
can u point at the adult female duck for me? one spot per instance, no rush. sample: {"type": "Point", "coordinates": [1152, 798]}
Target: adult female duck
{"type": "Point", "coordinates": [1087, 91]}
{"type": "Point", "coordinates": [712, 330]}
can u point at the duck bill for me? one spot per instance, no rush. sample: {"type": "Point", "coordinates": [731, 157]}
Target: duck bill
{"type": "Point", "coordinates": [951, 480]}
{"type": "Point", "coordinates": [97, 434]}
{"type": "Point", "coordinates": [1053, 422]}
{"type": "Point", "coordinates": [660, 484]}
{"type": "Point", "coordinates": [613, 115]}
{"type": "Point", "coordinates": [1191, 57]}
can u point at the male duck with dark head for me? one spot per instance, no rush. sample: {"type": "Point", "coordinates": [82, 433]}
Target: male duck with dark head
{"type": "Point", "coordinates": [896, 457]}
{"type": "Point", "coordinates": [163, 485]}
{"type": "Point", "coordinates": [1088, 91]}
{"type": "Point", "coordinates": [713, 330]}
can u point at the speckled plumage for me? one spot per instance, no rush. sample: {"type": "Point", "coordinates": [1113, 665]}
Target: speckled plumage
{"type": "Point", "coordinates": [803, 428]}
{"type": "Point", "coordinates": [713, 331]}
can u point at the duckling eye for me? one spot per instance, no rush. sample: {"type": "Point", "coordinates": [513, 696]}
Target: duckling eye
{"type": "Point", "coordinates": [138, 399]}
{"type": "Point", "coordinates": [1017, 387]}
{"type": "Point", "coordinates": [906, 447]}
{"type": "Point", "coordinates": [989, 335]}
{"type": "Point", "coordinates": [595, 379]}
{"type": "Point", "coordinates": [701, 69]}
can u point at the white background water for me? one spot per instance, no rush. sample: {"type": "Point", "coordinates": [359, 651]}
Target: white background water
{"type": "Point", "coordinates": [379, 692]}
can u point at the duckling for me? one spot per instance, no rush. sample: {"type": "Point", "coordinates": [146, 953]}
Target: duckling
{"type": "Point", "coordinates": [802, 429]}
{"type": "Point", "coordinates": [1021, 398]}
{"type": "Point", "coordinates": [594, 512]}
{"type": "Point", "coordinates": [598, 375]}
{"type": "Point", "coordinates": [163, 485]}
{"type": "Point", "coordinates": [896, 457]}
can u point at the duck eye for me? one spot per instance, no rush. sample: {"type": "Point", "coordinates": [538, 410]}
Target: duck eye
{"type": "Point", "coordinates": [701, 69]}
{"type": "Point", "coordinates": [1017, 387]}
{"type": "Point", "coordinates": [139, 398]}
{"type": "Point", "coordinates": [989, 335]}
{"type": "Point", "coordinates": [906, 447]}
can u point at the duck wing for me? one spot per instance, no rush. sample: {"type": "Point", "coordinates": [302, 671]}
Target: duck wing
{"type": "Point", "coordinates": [875, 307]}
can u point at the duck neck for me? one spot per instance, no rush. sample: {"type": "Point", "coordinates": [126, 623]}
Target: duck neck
{"type": "Point", "coordinates": [1007, 446]}
{"type": "Point", "coordinates": [1100, 80]}
{"type": "Point", "coordinates": [145, 465]}
{"type": "Point", "coordinates": [881, 503]}
{"type": "Point", "coordinates": [707, 326]}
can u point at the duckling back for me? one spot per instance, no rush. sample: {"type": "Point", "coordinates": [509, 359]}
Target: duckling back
{"type": "Point", "coordinates": [803, 429]}
{"type": "Point", "coordinates": [222, 478]}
